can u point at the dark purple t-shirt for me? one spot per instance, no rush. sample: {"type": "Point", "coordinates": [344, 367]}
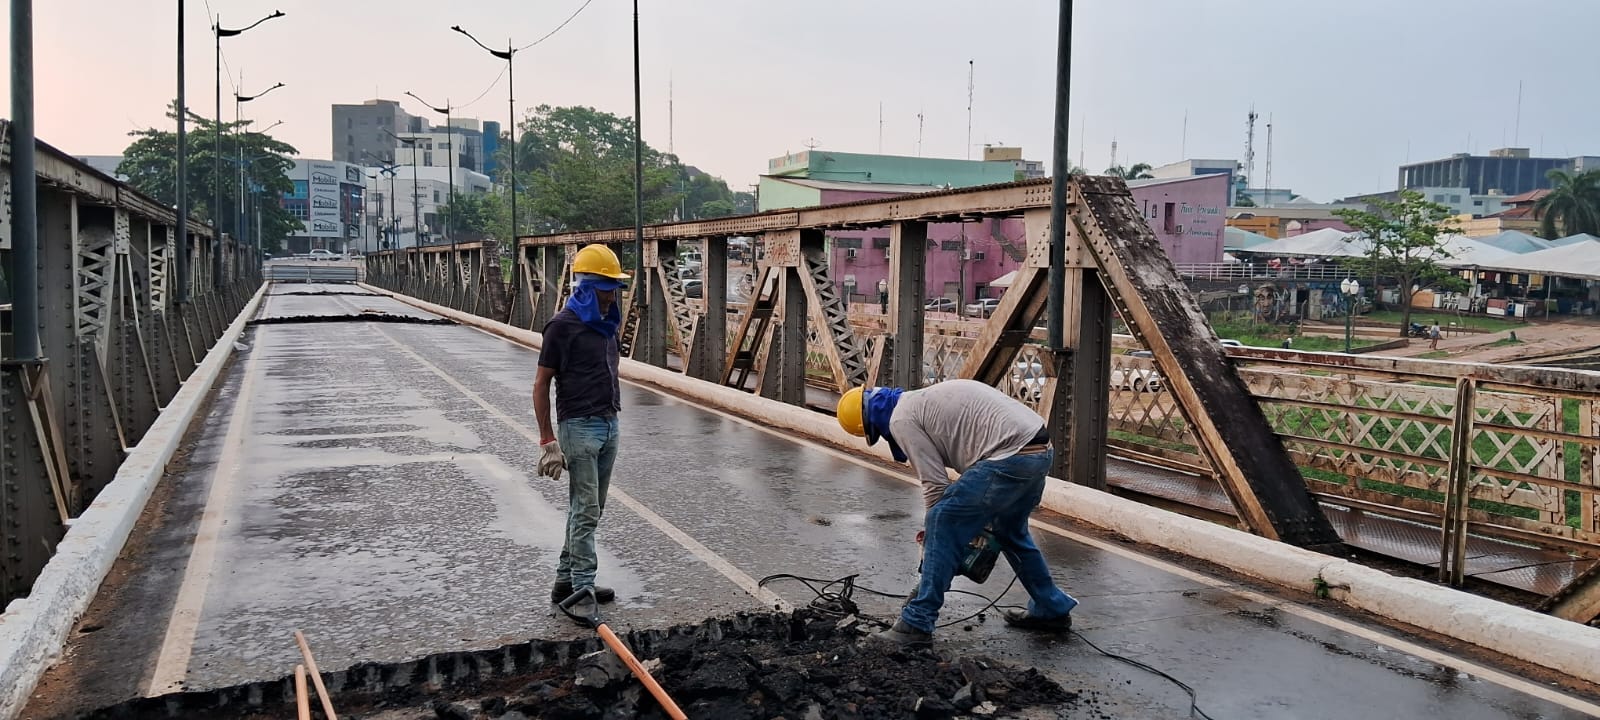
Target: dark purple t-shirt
{"type": "Point", "coordinates": [585, 362]}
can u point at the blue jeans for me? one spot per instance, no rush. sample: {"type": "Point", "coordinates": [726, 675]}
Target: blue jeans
{"type": "Point", "coordinates": [590, 446]}
{"type": "Point", "coordinates": [1000, 494]}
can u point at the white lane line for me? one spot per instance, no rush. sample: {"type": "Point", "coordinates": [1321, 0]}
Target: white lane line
{"type": "Point", "coordinates": [1497, 677]}
{"type": "Point", "coordinates": [172, 663]}
{"type": "Point", "coordinates": [695, 547]}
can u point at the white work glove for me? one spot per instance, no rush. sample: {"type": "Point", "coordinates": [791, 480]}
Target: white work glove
{"type": "Point", "coordinates": [552, 462]}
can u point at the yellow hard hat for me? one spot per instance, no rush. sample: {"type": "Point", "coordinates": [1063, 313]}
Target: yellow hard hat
{"type": "Point", "coordinates": [598, 260]}
{"type": "Point", "coordinates": [849, 413]}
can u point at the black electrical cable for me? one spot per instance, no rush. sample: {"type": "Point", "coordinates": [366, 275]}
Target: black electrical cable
{"type": "Point", "coordinates": [1194, 706]}
{"type": "Point", "coordinates": [832, 602]}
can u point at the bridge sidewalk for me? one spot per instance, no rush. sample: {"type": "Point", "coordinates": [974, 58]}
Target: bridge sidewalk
{"type": "Point", "coordinates": [373, 484]}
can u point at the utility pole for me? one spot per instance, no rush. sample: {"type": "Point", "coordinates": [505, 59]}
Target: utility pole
{"type": "Point", "coordinates": [1266, 191]}
{"type": "Point", "coordinates": [969, 109]}
{"type": "Point", "coordinates": [24, 190]}
{"type": "Point", "coordinates": [638, 160]}
{"type": "Point", "coordinates": [181, 237]}
{"type": "Point", "coordinates": [1055, 322]}
{"type": "Point", "coordinates": [1250, 149]}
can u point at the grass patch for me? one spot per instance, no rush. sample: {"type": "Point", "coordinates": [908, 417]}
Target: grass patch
{"type": "Point", "coordinates": [1504, 342]}
{"type": "Point", "coordinates": [1477, 322]}
{"type": "Point", "coordinates": [1433, 355]}
{"type": "Point", "coordinates": [1264, 335]}
{"type": "Point", "coordinates": [1137, 439]}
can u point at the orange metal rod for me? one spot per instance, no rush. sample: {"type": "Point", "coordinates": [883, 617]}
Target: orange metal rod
{"type": "Point", "coordinates": [632, 662]}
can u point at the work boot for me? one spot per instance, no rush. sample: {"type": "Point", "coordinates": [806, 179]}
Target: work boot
{"type": "Point", "coordinates": [581, 607]}
{"type": "Point", "coordinates": [563, 590]}
{"type": "Point", "coordinates": [902, 635]}
{"type": "Point", "coordinates": [1028, 621]}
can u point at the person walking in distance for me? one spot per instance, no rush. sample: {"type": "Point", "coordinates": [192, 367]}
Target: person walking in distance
{"type": "Point", "coordinates": [579, 354]}
{"type": "Point", "coordinates": [1433, 336]}
{"type": "Point", "coordinates": [1002, 450]}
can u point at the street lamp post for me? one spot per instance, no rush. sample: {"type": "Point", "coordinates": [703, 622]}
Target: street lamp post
{"type": "Point", "coordinates": [242, 219]}
{"type": "Point", "coordinates": [1352, 291]}
{"type": "Point", "coordinates": [511, 109]}
{"type": "Point", "coordinates": [450, 160]}
{"type": "Point", "coordinates": [216, 180]}
{"type": "Point", "coordinates": [394, 222]}
{"type": "Point", "coordinates": [377, 218]}
{"type": "Point", "coordinates": [416, 212]}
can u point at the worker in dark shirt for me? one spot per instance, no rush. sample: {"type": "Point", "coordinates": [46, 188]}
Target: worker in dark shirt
{"type": "Point", "coordinates": [579, 353]}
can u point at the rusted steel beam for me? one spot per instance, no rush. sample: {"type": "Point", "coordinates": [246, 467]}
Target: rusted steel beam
{"type": "Point", "coordinates": [436, 249]}
{"type": "Point", "coordinates": [61, 170]}
{"type": "Point", "coordinates": [1003, 200]}
{"type": "Point", "coordinates": [1256, 472]}
{"type": "Point", "coordinates": [1579, 601]}
{"type": "Point", "coordinates": [1556, 380]}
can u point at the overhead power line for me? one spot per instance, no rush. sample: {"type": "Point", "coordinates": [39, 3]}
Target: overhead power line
{"type": "Point", "coordinates": [485, 90]}
{"type": "Point", "coordinates": [563, 24]}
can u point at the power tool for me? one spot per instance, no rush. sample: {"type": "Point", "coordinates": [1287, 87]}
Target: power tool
{"type": "Point", "coordinates": [979, 559]}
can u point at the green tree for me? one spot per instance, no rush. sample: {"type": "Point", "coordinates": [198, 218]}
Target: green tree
{"type": "Point", "coordinates": [1404, 240]}
{"type": "Point", "coordinates": [1136, 171]}
{"type": "Point", "coordinates": [744, 203]}
{"type": "Point", "coordinates": [1573, 204]}
{"type": "Point", "coordinates": [151, 164]}
{"type": "Point", "coordinates": [715, 209]}
{"type": "Point", "coordinates": [474, 215]}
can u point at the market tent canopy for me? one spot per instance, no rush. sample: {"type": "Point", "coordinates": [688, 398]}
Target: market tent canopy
{"type": "Point", "coordinates": [1465, 252]}
{"type": "Point", "coordinates": [1577, 260]}
{"type": "Point", "coordinates": [1327, 242]}
{"type": "Point", "coordinates": [1517, 242]}
{"type": "Point", "coordinates": [1237, 239]}
{"type": "Point", "coordinates": [1004, 281]}
{"type": "Point", "coordinates": [1572, 239]}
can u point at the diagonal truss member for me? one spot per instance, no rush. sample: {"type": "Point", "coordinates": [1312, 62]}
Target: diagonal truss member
{"type": "Point", "coordinates": [1114, 261]}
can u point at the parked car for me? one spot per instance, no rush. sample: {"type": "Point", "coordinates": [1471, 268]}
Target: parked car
{"type": "Point", "coordinates": [1029, 378]}
{"type": "Point", "coordinates": [984, 307]}
{"type": "Point", "coordinates": [1137, 379]}
{"type": "Point", "coordinates": [322, 254]}
{"type": "Point", "coordinates": [943, 304]}
{"type": "Point", "coordinates": [693, 288]}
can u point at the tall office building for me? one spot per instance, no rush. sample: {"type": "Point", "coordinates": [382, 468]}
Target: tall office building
{"type": "Point", "coordinates": [359, 131]}
{"type": "Point", "coordinates": [1506, 171]}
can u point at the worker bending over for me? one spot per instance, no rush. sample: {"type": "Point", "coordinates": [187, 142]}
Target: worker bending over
{"type": "Point", "coordinates": [579, 353]}
{"type": "Point", "coordinates": [1002, 450]}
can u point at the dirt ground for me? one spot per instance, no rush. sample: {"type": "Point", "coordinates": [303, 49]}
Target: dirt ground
{"type": "Point", "coordinates": [804, 666]}
{"type": "Point", "coordinates": [1538, 338]}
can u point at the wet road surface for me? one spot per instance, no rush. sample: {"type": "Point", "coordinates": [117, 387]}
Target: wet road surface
{"type": "Point", "coordinates": [373, 484]}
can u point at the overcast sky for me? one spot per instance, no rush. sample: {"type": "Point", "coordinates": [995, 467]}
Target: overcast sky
{"type": "Point", "coordinates": [1353, 87]}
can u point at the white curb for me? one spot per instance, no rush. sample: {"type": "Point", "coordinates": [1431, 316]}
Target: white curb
{"type": "Point", "coordinates": [34, 629]}
{"type": "Point", "coordinates": [1560, 645]}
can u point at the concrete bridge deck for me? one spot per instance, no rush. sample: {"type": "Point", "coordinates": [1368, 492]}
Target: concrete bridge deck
{"type": "Point", "coordinates": [373, 484]}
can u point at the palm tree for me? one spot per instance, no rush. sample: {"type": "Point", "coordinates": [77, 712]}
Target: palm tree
{"type": "Point", "coordinates": [1574, 203]}
{"type": "Point", "coordinates": [1137, 171]}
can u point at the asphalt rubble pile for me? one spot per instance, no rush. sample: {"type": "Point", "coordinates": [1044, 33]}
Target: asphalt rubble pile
{"type": "Point", "coordinates": [803, 666]}
{"type": "Point", "coordinates": [821, 671]}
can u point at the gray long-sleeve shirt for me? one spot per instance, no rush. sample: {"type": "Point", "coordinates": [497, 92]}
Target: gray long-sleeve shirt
{"type": "Point", "coordinates": [955, 424]}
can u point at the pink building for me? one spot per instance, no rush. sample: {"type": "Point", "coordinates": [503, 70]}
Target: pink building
{"type": "Point", "coordinates": [1187, 214]}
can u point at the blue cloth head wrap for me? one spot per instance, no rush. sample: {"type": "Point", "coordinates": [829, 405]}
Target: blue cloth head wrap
{"type": "Point", "coordinates": [879, 408]}
{"type": "Point", "coordinates": [586, 306]}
